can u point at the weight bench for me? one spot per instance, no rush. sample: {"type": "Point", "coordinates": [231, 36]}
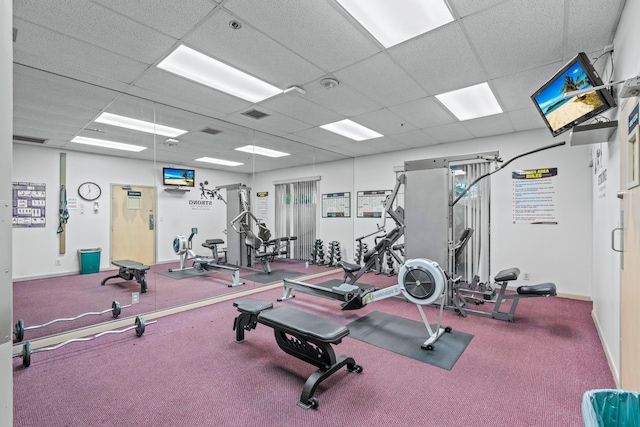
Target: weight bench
{"type": "Point", "coordinates": [300, 334]}
{"type": "Point", "coordinates": [128, 270]}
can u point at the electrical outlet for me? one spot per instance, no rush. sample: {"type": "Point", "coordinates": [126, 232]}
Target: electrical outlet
{"type": "Point", "coordinates": [135, 297]}
{"type": "Point", "coordinates": [526, 276]}
{"type": "Point", "coordinates": [58, 263]}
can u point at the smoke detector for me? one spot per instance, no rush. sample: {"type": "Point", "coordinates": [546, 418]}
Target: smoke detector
{"type": "Point", "coordinates": [329, 83]}
{"type": "Point", "coordinates": [171, 142]}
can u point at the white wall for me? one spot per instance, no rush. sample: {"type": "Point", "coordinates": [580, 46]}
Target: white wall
{"type": "Point", "coordinates": [605, 291]}
{"type": "Point", "coordinates": [176, 215]}
{"type": "Point", "coordinates": [558, 253]}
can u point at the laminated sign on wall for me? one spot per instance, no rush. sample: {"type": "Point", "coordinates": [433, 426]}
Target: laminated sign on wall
{"type": "Point", "coordinates": [535, 196]}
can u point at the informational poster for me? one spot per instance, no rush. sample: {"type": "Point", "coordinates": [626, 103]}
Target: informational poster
{"type": "Point", "coordinates": [336, 205]}
{"type": "Point", "coordinates": [261, 209]}
{"type": "Point", "coordinates": [535, 196]}
{"type": "Point", "coordinates": [29, 204]}
{"type": "Point", "coordinates": [370, 204]}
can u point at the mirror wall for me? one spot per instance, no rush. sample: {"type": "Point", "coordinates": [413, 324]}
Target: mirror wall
{"type": "Point", "coordinates": [134, 197]}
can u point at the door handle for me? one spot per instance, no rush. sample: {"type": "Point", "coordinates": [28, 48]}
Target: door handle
{"type": "Point", "coordinates": [151, 222]}
{"type": "Point", "coordinates": [613, 232]}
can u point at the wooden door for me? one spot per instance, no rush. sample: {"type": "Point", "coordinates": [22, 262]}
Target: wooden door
{"type": "Point", "coordinates": [630, 269]}
{"type": "Point", "coordinates": [133, 213]}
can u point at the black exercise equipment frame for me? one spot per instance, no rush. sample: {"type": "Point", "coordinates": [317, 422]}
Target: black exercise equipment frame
{"type": "Point", "coordinates": [315, 351]}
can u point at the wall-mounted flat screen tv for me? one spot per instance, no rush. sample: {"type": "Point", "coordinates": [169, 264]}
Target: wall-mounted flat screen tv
{"type": "Point", "coordinates": [560, 114]}
{"type": "Point", "coordinates": [178, 177]}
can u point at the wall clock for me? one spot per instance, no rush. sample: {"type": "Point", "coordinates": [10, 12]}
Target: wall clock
{"type": "Point", "coordinates": [89, 191]}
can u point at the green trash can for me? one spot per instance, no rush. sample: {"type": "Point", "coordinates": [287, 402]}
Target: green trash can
{"type": "Point", "coordinates": [89, 260]}
{"type": "Point", "coordinates": [611, 408]}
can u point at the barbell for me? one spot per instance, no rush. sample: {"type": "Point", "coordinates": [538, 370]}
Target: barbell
{"type": "Point", "coordinates": [19, 328]}
{"type": "Point", "coordinates": [139, 326]}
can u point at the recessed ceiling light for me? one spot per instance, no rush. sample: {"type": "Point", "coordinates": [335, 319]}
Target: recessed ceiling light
{"type": "Point", "coordinates": [203, 69]}
{"type": "Point", "coordinates": [392, 22]}
{"type": "Point", "coordinates": [351, 130]}
{"type": "Point", "coordinates": [471, 102]}
{"type": "Point", "coordinates": [139, 125]}
{"type": "Point", "coordinates": [107, 144]}
{"type": "Point", "coordinates": [254, 149]}
{"type": "Point", "coordinates": [218, 161]}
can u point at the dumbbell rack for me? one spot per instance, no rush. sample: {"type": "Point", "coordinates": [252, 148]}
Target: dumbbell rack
{"type": "Point", "coordinates": [361, 249]}
{"type": "Point", "coordinates": [334, 254]}
{"type": "Point", "coordinates": [317, 253]}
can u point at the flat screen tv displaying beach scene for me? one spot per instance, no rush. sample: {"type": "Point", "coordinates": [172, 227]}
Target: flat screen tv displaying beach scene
{"type": "Point", "coordinates": [178, 177]}
{"type": "Point", "coordinates": [561, 114]}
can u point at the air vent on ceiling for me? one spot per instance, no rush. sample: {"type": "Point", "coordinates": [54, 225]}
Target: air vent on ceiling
{"type": "Point", "coordinates": [19, 138]}
{"type": "Point", "coordinates": [255, 114]}
{"type": "Point", "coordinates": [211, 131]}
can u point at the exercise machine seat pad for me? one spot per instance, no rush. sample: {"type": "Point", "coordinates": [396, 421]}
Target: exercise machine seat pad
{"type": "Point", "coordinates": [507, 275]}
{"type": "Point", "coordinates": [212, 242]}
{"type": "Point", "coordinates": [252, 305]}
{"type": "Point", "coordinates": [130, 265]}
{"type": "Point", "coordinates": [541, 289]}
{"type": "Point", "coordinates": [289, 319]}
{"type": "Point", "coordinates": [347, 266]}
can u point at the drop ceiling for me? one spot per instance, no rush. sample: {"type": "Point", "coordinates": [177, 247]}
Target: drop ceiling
{"type": "Point", "coordinates": [76, 59]}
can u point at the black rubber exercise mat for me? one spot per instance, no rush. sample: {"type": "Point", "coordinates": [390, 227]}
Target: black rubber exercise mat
{"type": "Point", "coordinates": [274, 276]}
{"type": "Point", "coordinates": [404, 336]}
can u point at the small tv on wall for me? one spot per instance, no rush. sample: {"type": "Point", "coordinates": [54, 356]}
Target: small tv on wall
{"type": "Point", "coordinates": [561, 114]}
{"type": "Point", "coordinates": [178, 177]}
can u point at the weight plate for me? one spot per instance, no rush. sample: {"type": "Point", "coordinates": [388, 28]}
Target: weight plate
{"type": "Point", "coordinates": [26, 354]}
{"type": "Point", "coordinates": [140, 325]}
{"type": "Point", "coordinates": [116, 309]}
{"type": "Point", "coordinates": [19, 330]}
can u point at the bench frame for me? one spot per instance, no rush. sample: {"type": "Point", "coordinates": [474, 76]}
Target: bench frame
{"type": "Point", "coordinates": [129, 270]}
{"type": "Point", "coordinates": [309, 349]}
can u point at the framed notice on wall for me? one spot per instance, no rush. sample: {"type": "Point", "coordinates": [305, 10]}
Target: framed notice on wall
{"type": "Point", "coordinates": [336, 205]}
{"type": "Point", "coordinates": [370, 204]}
{"type": "Point", "coordinates": [29, 204]}
{"type": "Point", "coordinates": [535, 196]}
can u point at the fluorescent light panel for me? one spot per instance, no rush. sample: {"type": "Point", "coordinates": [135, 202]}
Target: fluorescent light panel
{"type": "Point", "coordinates": [139, 125]}
{"type": "Point", "coordinates": [254, 149]}
{"type": "Point", "coordinates": [471, 102]}
{"type": "Point", "coordinates": [107, 144]}
{"type": "Point", "coordinates": [218, 161]}
{"type": "Point", "coordinates": [392, 22]}
{"type": "Point", "coordinates": [351, 130]}
{"type": "Point", "coordinates": [196, 66]}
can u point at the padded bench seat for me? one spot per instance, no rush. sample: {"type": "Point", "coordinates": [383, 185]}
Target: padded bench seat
{"type": "Point", "coordinates": [303, 335]}
{"type": "Point", "coordinates": [542, 289]}
{"type": "Point", "coordinates": [128, 270]}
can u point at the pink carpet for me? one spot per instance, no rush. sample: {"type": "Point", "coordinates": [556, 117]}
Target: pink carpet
{"type": "Point", "coordinates": [186, 370]}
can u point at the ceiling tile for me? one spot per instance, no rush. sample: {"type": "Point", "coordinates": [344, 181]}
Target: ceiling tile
{"type": "Point", "coordinates": [415, 139]}
{"type": "Point", "coordinates": [251, 51]}
{"type": "Point", "coordinates": [382, 80]}
{"type": "Point", "coordinates": [514, 91]}
{"type": "Point", "coordinates": [591, 27]}
{"type": "Point", "coordinates": [506, 47]}
{"type": "Point", "coordinates": [467, 7]}
{"type": "Point", "coordinates": [489, 125]}
{"type": "Point", "coordinates": [97, 25]}
{"type": "Point", "coordinates": [423, 113]}
{"type": "Point", "coordinates": [525, 119]}
{"type": "Point", "coordinates": [383, 121]}
{"type": "Point", "coordinates": [429, 60]}
{"type": "Point", "coordinates": [450, 132]}
{"type": "Point", "coordinates": [315, 30]}
{"type": "Point", "coordinates": [171, 17]}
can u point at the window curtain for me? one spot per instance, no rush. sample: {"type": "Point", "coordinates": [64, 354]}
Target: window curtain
{"type": "Point", "coordinates": [296, 207]}
{"type": "Point", "coordinates": [473, 211]}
